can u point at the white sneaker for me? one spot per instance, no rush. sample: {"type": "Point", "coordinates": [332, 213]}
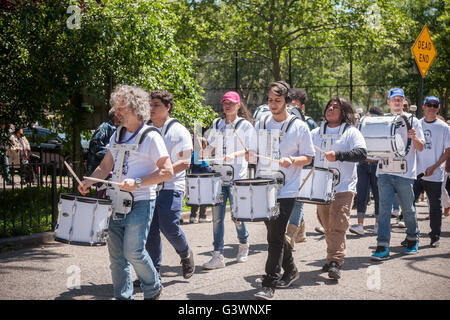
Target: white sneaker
{"type": "Point", "coordinates": [193, 220]}
{"type": "Point", "coordinates": [203, 220]}
{"type": "Point", "coordinates": [320, 229]}
{"type": "Point", "coordinates": [242, 253]}
{"type": "Point", "coordinates": [395, 213]}
{"type": "Point", "coordinates": [357, 229]}
{"type": "Point", "coordinates": [216, 262]}
{"type": "Point", "coordinates": [401, 224]}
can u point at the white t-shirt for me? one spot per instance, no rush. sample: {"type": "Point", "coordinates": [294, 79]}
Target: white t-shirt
{"type": "Point", "coordinates": [177, 139]}
{"type": "Point", "coordinates": [296, 142]}
{"type": "Point", "coordinates": [141, 162]}
{"type": "Point", "coordinates": [351, 139]}
{"type": "Point", "coordinates": [226, 141]}
{"type": "Point", "coordinates": [410, 158]}
{"type": "Point", "coordinates": [437, 139]}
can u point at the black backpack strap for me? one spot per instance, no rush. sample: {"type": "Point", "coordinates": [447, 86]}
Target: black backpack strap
{"type": "Point", "coordinates": [167, 127]}
{"type": "Point", "coordinates": [146, 131]}
{"type": "Point", "coordinates": [239, 122]}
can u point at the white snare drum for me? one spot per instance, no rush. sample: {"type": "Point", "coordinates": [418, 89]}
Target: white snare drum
{"type": "Point", "coordinates": [82, 220]}
{"type": "Point", "coordinates": [226, 171]}
{"type": "Point", "coordinates": [254, 199]}
{"type": "Point", "coordinates": [204, 188]}
{"type": "Point", "coordinates": [319, 188]}
{"type": "Point", "coordinates": [386, 136]}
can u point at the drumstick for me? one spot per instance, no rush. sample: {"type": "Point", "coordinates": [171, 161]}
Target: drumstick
{"type": "Point", "coordinates": [73, 173]}
{"type": "Point", "coordinates": [100, 180]}
{"type": "Point", "coordinates": [306, 179]}
{"type": "Point", "coordinates": [264, 157]}
{"type": "Point", "coordinates": [319, 149]}
{"type": "Point", "coordinates": [240, 140]}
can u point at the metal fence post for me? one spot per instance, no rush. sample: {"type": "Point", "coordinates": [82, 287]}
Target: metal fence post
{"type": "Point", "coordinates": [54, 196]}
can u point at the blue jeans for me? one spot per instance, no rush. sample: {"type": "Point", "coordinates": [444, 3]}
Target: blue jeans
{"type": "Point", "coordinates": [167, 220]}
{"type": "Point", "coordinates": [218, 213]}
{"type": "Point", "coordinates": [388, 185]}
{"type": "Point", "coordinates": [296, 214]}
{"type": "Point", "coordinates": [126, 245]}
{"type": "Point", "coordinates": [366, 178]}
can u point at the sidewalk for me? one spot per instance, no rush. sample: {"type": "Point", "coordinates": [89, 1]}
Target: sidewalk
{"type": "Point", "coordinates": [67, 272]}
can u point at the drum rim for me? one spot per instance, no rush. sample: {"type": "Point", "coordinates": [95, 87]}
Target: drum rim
{"type": "Point", "coordinates": [69, 196]}
{"type": "Point", "coordinates": [259, 181]}
{"type": "Point", "coordinates": [203, 175]}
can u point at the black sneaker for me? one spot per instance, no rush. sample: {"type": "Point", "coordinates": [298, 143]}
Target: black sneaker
{"type": "Point", "coordinates": [137, 282]}
{"type": "Point", "coordinates": [187, 265]}
{"type": "Point", "coordinates": [266, 293]}
{"type": "Point", "coordinates": [156, 296]}
{"type": "Point", "coordinates": [434, 242]}
{"type": "Point", "coordinates": [334, 270]}
{"type": "Point", "coordinates": [404, 243]}
{"type": "Point", "coordinates": [325, 267]}
{"type": "Point", "coordinates": [287, 279]}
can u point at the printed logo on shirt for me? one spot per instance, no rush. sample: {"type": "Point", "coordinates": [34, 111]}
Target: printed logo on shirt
{"type": "Point", "coordinates": [428, 140]}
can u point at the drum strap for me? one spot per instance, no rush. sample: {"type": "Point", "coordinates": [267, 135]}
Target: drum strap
{"type": "Point", "coordinates": [329, 137]}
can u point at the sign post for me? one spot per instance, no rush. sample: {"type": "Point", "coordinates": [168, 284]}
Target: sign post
{"type": "Point", "coordinates": [424, 53]}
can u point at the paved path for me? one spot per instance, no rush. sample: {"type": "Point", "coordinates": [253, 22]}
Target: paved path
{"type": "Point", "coordinates": [50, 270]}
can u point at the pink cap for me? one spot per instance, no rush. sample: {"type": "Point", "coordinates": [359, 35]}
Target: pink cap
{"type": "Point", "coordinates": [231, 96]}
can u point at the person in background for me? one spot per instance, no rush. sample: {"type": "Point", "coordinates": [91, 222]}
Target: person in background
{"type": "Point", "coordinates": [19, 155]}
{"type": "Point", "coordinates": [431, 162]}
{"type": "Point", "coordinates": [367, 180]}
{"type": "Point", "coordinates": [4, 160]}
{"type": "Point", "coordinates": [98, 147]}
{"type": "Point", "coordinates": [199, 167]}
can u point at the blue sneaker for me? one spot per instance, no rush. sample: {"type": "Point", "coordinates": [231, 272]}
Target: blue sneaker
{"type": "Point", "coordinates": [382, 253]}
{"type": "Point", "coordinates": [412, 247]}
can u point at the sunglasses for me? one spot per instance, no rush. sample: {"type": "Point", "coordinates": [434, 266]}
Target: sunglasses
{"type": "Point", "coordinates": [432, 105]}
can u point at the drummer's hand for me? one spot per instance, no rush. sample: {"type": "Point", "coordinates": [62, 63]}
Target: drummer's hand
{"type": "Point", "coordinates": [429, 171]}
{"type": "Point", "coordinates": [330, 156]}
{"type": "Point", "coordinates": [84, 187]}
{"type": "Point", "coordinates": [285, 162]}
{"type": "Point", "coordinates": [128, 185]}
{"type": "Point", "coordinates": [412, 134]}
{"type": "Point", "coordinates": [229, 157]}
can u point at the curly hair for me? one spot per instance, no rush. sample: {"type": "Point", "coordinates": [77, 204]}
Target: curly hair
{"type": "Point", "coordinates": [347, 113]}
{"type": "Point", "coordinates": [134, 98]}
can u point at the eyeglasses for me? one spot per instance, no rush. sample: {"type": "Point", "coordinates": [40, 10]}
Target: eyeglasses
{"type": "Point", "coordinates": [432, 105]}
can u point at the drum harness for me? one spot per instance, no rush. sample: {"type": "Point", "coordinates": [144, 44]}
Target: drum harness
{"type": "Point", "coordinates": [122, 201]}
{"type": "Point", "coordinates": [223, 168]}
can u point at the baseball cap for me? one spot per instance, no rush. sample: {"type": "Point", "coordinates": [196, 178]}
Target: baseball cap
{"type": "Point", "coordinates": [396, 92]}
{"type": "Point", "coordinates": [231, 96]}
{"type": "Point", "coordinates": [432, 98]}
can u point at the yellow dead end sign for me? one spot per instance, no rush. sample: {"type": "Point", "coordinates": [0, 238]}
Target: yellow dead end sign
{"type": "Point", "coordinates": [424, 51]}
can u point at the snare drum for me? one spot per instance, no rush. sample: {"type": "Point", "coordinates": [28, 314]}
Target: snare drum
{"type": "Point", "coordinates": [254, 199]}
{"type": "Point", "coordinates": [226, 171]}
{"type": "Point", "coordinates": [82, 220]}
{"type": "Point", "coordinates": [204, 189]}
{"type": "Point", "coordinates": [319, 188]}
{"type": "Point", "coordinates": [386, 136]}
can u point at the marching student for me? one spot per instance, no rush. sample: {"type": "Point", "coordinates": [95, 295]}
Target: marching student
{"type": "Point", "coordinates": [169, 201]}
{"type": "Point", "coordinates": [344, 147]}
{"type": "Point", "coordinates": [225, 140]}
{"type": "Point", "coordinates": [390, 183]}
{"type": "Point", "coordinates": [295, 150]}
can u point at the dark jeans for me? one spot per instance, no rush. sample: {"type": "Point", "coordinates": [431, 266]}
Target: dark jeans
{"type": "Point", "coordinates": [166, 219]}
{"type": "Point", "coordinates": [433, 191]}
{"type": "Point", "coordinates": [194, 209]}
{"type": "Point", "coordinates": [279, 253]}
{"type": "Point", "coordinates": [366, 177]}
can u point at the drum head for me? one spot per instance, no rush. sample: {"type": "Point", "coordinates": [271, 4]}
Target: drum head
{"type": "Point", "coordinates": [254, 182]}
{"type": "Point", "coordinates": [400, 142]}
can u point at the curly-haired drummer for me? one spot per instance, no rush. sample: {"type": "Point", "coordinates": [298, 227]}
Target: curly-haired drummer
{"type": "Point", "coordinates": [343, 147]}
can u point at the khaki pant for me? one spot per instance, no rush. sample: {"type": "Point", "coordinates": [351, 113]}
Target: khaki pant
{"type": "Point", "coordinates": [334, 218]}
